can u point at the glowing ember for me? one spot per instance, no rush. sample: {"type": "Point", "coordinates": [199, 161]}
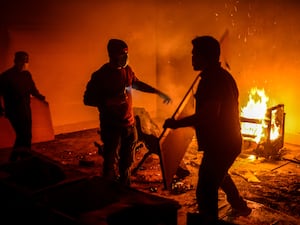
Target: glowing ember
{"type": "Point", "coordinates": [255, 109]}
{"type": "Point", "coordinates": [252, 157]}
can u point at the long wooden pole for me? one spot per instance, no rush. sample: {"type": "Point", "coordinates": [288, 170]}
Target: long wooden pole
{"type": "Point", "coordinates": [180, 104]}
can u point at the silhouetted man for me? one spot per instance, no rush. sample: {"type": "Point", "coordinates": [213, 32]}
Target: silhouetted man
{"type": "Point", "coordinates": [16, 88]}
{"type": "Point", "coordinates": [110, 90]}
{"type": "Point", "coordinates": [217, 125]}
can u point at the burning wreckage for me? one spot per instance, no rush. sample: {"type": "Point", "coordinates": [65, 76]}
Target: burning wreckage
{"type": "Point", "coordinates": [262, 125]}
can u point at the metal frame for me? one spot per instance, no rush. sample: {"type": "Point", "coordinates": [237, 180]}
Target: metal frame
{"type": "Point", "coordinates": [268, 147]}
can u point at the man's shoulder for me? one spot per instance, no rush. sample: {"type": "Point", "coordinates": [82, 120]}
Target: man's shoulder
{"type": "Point", "coordinates": [129, 69]}
{"type": "Point", "coordinates": [227, 75]}
{"type": "Point", "coordinates": [105, 68]}
{"type": "Point", "coordinates": [8, 71]}
{"type": "Point", "coordinates": [6, 74]}
{"type": "Point", "coordinates": [216, 73]}
{"type": "Point", "coordinates": [130, 73]}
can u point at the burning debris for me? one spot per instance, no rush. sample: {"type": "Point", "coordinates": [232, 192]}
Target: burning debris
{"type": "Point", "coordinates": [263, 125]}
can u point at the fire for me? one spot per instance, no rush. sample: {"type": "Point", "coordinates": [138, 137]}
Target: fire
{"type": "Point", "coordinates": [263, 125]}
{"type": "Point", "coordinates": [276, 117]}
{"type": "Point", "coordinates": [255, 111]}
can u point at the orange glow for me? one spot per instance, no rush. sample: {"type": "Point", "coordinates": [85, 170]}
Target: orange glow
{"type": "Point", "coordinates": [67, 41]}
{"type": "Point", "coordinates": [256, 109]}
{"type": "Point", "coordinates": [275, 125]}
{"type": "Point", "coordinates": [254, 117]}
{"type": "Point", "coordinates": [252, 158]}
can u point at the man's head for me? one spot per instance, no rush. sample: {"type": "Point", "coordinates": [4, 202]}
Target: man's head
{"type": "Point", "coordinates": [206, 52]}
{"type": "Point", "coordinates": [21, 60]}
{"type": "Point", "coordinates": [118, 53]}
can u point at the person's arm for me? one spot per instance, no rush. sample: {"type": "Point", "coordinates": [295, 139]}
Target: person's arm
{"type": "Point", "coordinates": [141, 86]}
{"type": "Point", "coordinates": [35, 92]}
{"type": "Point", "coordinates": [209, 112]}
{"type": "Point", "coordinates": [94, 93]}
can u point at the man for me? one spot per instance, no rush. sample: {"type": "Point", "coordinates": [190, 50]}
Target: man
{"type": "Point", "coordinates": [217, 125]}
{"type": "Point", "coordinates": [16, 88]}
{"type": "Point", "coordinates": [110, 90]}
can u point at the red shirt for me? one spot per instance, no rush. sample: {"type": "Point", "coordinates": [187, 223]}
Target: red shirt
{"type": "Point", "coordinates": [112, 89]}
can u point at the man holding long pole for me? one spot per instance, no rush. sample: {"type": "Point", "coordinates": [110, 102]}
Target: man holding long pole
{"type": "Point", "coordinates": [217, 124]}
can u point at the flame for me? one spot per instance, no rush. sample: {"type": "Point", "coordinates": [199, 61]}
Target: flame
{"type": "Point", "coordinates": [275, 124]}
{"type": "Point", "coordinates": [256, 108]}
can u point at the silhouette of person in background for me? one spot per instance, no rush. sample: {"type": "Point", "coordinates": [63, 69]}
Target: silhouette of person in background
{"type": "Point", "coordinates": [110, 90]}
{"type": "Point", "coordinates": [16, 89]}
{"type": "Point", "coordinates": [217, 125]}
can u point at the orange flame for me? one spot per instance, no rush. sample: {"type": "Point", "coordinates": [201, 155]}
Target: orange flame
{"type": "Point", "coordinates": [275, 124]}
{"type": "Point", "coordinates": [256, 108]}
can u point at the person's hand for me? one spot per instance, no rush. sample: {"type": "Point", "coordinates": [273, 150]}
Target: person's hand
{"type": "Point", "coordinates": [42, 98]}
{"type": "Point", "coordinates": [170, 123]}
{"type": "Point", "coordinates": [165, 97]}
{"type": "Point", "coordinates": [45, 102]}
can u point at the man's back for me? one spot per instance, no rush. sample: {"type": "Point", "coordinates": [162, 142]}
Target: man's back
{"type": "Point", "coordinates": [217, 84]}
{"type": "Point", "coordinates": [16, 87]}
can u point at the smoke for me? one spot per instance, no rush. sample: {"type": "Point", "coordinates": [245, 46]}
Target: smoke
{"type": "Point", "coordinates": [67, 42]}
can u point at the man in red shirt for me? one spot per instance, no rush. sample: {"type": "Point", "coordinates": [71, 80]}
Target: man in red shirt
{"type": "Point", "coordinates": [110, 90]}
{"type": "Point", "coordinates": [217, 125]}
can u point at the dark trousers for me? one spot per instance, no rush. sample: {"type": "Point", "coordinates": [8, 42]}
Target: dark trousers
{"type": "Point", "coordinates": [118, 152]}
{"type": "Point", "coordinates": [22, 125]}
{"type": "Point", "coordinates": [213, 174]}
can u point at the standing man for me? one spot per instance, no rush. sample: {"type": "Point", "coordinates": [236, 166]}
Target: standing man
{"type": "Point", "coordinates": [110, 90]}
{"type": "Point", "coordinates": [217, 125]}
{"type": "Point", "coordinates": [16, 88]}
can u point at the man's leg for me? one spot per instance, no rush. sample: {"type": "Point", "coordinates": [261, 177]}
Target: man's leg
{"type": "Point", "coordinates": [213, 174]}
{"type": "Point", "coordinates": [22, 127]}
{"type": "Point", "coordinates": [207, 189]}
{"type": "Point", "coordinates": [129, 139]}
{"type": "Point", "coordinates": [111, 143]}
{"type": "Point", "coordinates": [238, 204]}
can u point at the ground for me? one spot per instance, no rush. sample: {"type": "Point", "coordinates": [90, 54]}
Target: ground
{"type": "Point", "coordinates": [271, 187]}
